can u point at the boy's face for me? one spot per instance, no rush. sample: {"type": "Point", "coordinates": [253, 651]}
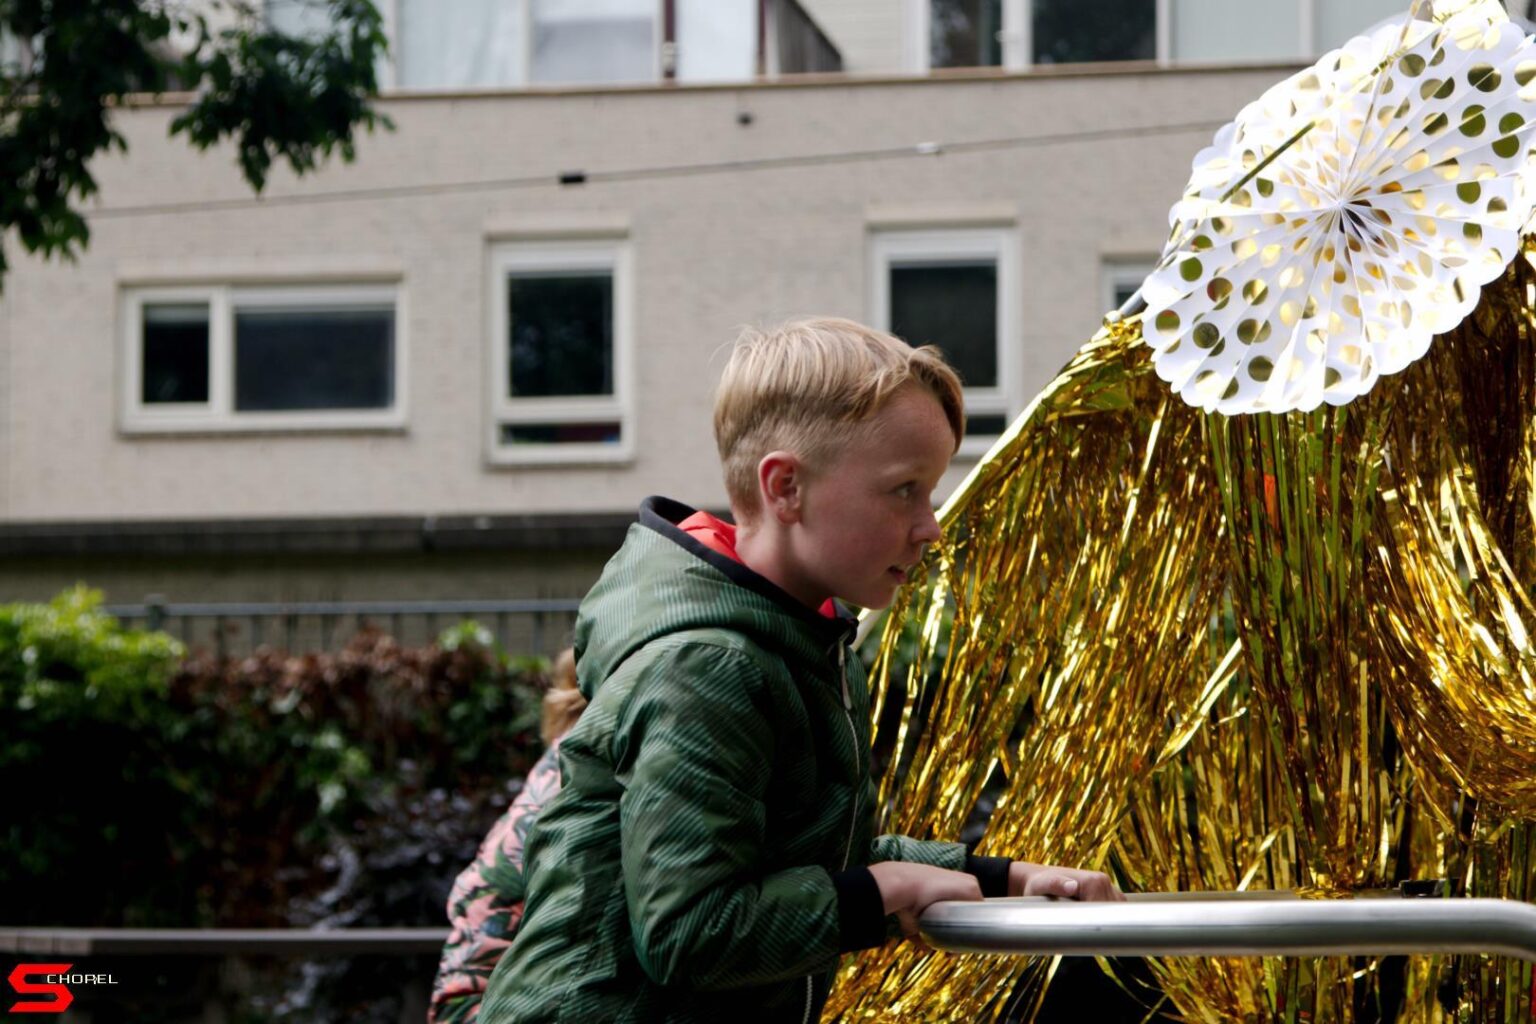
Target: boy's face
{"type": "Point", "coordinates": [866, 517]}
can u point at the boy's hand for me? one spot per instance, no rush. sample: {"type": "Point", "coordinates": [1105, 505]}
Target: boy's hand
{"type": "Point", "coordinates": [1026, 879]}
{"type": "Point", "coordinates": [908, 889]}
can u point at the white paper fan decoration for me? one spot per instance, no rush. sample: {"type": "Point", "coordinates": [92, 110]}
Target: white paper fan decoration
{"type": "Point", "coordinates": [1347, 216]}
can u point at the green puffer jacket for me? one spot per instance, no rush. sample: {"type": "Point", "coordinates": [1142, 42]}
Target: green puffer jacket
{"type": "Point", "coordinates": [704, 860]}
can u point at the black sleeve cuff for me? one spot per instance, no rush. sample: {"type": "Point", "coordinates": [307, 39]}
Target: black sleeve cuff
{"type": "Point", "coordinates": [860, 910]}
{"type": "Point", "coordinates": [990, 872]}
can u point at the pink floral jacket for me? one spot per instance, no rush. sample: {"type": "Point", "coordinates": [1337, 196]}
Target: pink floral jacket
{"type": "Point", "coordinates": [486, 904]}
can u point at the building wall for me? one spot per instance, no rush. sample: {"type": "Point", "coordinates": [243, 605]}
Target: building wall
{"type": "Point", "coordinates": [712, 249]}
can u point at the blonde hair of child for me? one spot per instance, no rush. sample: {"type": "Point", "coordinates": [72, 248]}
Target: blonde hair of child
{"type": "Point", "coordinates": [810, 386]}
{"type": "Point", "coordinates": [563, 702]}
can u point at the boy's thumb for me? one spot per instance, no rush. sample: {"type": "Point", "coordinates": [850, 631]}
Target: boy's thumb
{"type": "Point", "coordinates": [1067, 887]}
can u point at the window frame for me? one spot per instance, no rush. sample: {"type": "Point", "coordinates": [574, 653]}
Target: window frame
{"type": "Point", "coordinates": [555, 256]}
{"type": "Point", "coordinates": [1018, 28]}
{"type": "Point", "coordinates": [889, 246]}
{"type": "Point", "coordinates": [1120, 270]}
{"type": "Point", "coordinates": [218, 414]}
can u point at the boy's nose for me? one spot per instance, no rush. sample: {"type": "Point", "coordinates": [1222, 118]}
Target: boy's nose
{"type": "Point", "coordinates": [927, 530]}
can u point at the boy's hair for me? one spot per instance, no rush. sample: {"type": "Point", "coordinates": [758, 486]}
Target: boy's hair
{"type": "Point", "coordinates": [810, 386]}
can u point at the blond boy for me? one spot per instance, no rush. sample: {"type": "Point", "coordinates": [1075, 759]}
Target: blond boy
{"type": "Point", "coordinates": [711, 853]}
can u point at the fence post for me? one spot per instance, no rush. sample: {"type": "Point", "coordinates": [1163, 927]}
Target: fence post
{"type": "Point", "coordinates": [154, 606]}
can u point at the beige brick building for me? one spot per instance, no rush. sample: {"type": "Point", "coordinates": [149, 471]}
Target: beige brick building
{"type": "Point", "coordinates": [452, 368]}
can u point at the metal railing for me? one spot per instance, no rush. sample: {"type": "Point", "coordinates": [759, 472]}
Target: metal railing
{"type": "Point", "coordinates": [525, 626]}
{"type": "Point", "coordinates": [1147, 924]}
{"type": "Point", "coordinates": [1234, 924]}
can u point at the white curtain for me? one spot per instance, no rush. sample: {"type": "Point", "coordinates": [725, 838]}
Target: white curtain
{"type": "Point", "coordinates": [716, 40]}
{"type": "Point", "coordinates": [1223, 30]}
{"type": "Point", "coordinates": [595, 41]}
{"type": "Point", "coordinates": [463, 43]}
{"type": "Point", "coordinates": [302, 18]}
{"type": "Point", "coordinates": [1337, 20]}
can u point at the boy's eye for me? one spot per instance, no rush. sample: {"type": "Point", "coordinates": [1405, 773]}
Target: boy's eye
{"type": "Point", "coordinates": [904, 491]}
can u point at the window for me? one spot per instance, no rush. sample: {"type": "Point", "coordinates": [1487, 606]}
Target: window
{"type": "Point", "coordinates": [292, 357]}
{"type": "Point", "coordinates": [717, 42]}
{"type": "Point", "coordinates": [473, 44]}
{"type": "Point", "coordinates": [1336, 20]}
{"type": "Point", "coordinates": [965, 33]}
{"type": "Point", "coordinates": [560, 352]}
{"type": "Point", "coordinates": [1218, 30]}
{"type": "Point", "coordinates": [1017, 34]}
{"type": "Point", "coordinates": [304, 19]}
{"type": "Point", "coordinates": [1121, 279]}
{"type": "Point", "coordinates": [1072, 32]}
{"type": "Point", "coordinates": [17, 56]}
{"type": "Point", "coordinates": [464, 43]}
{"type": "Point", "coordinates": [956, 289]}
{"type": "Point", "coordinates": [594, 41]}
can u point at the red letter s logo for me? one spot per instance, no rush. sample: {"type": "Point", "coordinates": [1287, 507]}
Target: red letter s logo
{"type": "Point", "coordinates": [62, 997]}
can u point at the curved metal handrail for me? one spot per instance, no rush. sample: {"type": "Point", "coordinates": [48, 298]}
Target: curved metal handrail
{"type": "Point", "coordinates": [1233, 924]}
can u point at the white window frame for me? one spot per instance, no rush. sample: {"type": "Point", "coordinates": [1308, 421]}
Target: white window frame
{"type": "Point", "coordinates": [996, 243]}
{"type": "Point", "coordinates": [1118, 271]}
{"type": "Point", "coordinates": [218, 414]}
{"type": "Point", "coordinates": [554, 257]}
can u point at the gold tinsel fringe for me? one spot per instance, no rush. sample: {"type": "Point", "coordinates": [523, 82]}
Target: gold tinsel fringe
{"type": "Point", "coordinates": [1276, 651]}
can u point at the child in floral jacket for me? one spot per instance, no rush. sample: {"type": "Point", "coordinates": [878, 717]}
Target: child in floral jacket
{"type": "Point", "coordinates": [486, 904]}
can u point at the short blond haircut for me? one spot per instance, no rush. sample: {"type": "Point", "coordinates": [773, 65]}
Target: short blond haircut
{"type": "Point", "coordinates": [809, 387]}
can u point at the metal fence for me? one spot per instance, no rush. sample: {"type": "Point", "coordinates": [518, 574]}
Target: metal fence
{"type": "Point", "coordinates": [537, 626]}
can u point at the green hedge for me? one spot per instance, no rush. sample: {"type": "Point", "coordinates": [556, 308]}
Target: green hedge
{"type": "Point", "coordinates": [146, 787]}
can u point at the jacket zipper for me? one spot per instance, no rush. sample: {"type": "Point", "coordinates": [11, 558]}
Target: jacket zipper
{"type": "Point", "coordinates": [853, 820]}
{"type": "Point", "coordinates": [853, 742]}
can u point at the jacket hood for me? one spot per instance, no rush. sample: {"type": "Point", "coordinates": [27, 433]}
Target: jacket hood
{"type": "Point", "coordinates": [663, 581]}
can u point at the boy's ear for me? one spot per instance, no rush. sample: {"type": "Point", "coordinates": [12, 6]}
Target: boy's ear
{"type": "Point", "coordinates": [781, 486]}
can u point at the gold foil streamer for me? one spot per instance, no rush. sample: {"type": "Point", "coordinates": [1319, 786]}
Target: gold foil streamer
{"type": "Point", "coordinates": [1070, 571]}
{"type": "Point", "coordinates": [1267, 652]}
{"type": "Point", "coordinates": [1458, 616]}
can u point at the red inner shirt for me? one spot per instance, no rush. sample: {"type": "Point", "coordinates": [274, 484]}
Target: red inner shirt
{"type": "Point", "coordinates": [720, 537]}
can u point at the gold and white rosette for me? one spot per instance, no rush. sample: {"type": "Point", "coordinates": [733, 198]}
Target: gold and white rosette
{"type": "Point", "coordinates": [1347, 216]}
